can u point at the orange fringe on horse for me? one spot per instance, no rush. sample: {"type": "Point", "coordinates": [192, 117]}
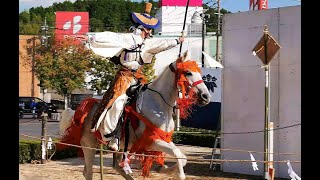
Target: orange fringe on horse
{"type": "Point", "coordinates": [73, 133]}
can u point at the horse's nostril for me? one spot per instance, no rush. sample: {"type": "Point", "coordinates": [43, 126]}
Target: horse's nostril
{"type": "Point", "coordinates": [204, 96]}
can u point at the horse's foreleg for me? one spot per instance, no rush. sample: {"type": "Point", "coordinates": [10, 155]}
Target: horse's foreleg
{"type": "Point", "coordinates": [172, 150]}
{"type": "Point", "coordinates": [89, 154]}
{"type": "Point", "coordinates": [116, 159]}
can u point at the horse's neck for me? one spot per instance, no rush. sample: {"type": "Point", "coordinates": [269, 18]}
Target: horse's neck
{"type": "Point", "coordinates": [166, 86]}
{"type": "Point", "coordinates": [157, 109]}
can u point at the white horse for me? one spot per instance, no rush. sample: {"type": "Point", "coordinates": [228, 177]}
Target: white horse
{"type": "Point", "coordinates": [156, 104]}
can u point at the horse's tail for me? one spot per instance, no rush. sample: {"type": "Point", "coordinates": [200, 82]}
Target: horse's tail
{"type": "Point", "coordinates": [71, 124]}
{"type": "Point", "coordinates": [66, 119]}
{"type": "Point", "coordinates": [71, 133]}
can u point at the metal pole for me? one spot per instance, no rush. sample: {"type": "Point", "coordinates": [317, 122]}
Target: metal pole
{"type": "Point", "coordinates": [101, 161]}
{"type": "Point", "coordinates": [184, 25]}
{"type": "Point", "coordinates": [266, 112]}
{"type": "Point", "coordinates": [32, 65]}
{"type": "Point", "coordinates": [44, 116]}
{"type": "Point", "coordinates": [218, 33]}
{"type": "Point", "coordinates": [45, 44]}
{"type": "Point", "coordinates": [203, 32]}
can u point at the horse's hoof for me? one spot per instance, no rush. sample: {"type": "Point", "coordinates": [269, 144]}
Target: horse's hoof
{"type": "Point", "coordinates": [182, 177]}
{"type": "Point", "coordinates": [167, 170]}
{"type": "Point", "coordinates": [163, 169]}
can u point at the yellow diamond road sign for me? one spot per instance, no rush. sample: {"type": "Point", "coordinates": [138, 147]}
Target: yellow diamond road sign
{"type": "Point", "coordinates": [272, 48]}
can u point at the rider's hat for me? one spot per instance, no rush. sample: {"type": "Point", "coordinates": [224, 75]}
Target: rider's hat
{"type": "Point", "coordinates": [145, 19]}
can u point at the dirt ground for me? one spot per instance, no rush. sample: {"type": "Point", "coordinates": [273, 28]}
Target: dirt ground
{"type": "Point", "coordinates": [71, 169]}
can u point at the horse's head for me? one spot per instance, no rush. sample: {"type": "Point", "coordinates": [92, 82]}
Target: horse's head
{"type": "Point", "coordinates": [189, 79]}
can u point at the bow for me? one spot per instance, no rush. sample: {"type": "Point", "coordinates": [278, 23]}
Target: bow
{"type": "Point", "coordinates": [184, 25]}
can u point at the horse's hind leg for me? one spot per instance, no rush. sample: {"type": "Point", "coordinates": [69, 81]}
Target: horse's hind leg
{"type": "Point", "coordinates": [88, 140]}
{"type": "Point", "coordinates": [172, 150]}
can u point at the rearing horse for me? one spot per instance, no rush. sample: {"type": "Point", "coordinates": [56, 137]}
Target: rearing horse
{"type": "Point", "coordinates": [155, 105]}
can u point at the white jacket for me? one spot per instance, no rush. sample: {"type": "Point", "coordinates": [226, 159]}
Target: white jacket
{"type": "Point", "coordinates": [109, 44]}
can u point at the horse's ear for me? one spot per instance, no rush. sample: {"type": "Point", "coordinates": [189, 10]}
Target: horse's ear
{"type": "Point", "coordinates": [185, 56]}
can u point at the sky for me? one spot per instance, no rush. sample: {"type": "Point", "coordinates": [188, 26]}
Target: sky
{"type": "Point", "coordinates": [230, 5]}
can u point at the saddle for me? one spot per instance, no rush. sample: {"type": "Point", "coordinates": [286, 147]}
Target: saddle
{"type": "Point", "coordinates": [122, 126]}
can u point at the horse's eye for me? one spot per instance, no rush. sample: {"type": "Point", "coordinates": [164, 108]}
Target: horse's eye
{"type": "Point", "coordinates": [188, 73]}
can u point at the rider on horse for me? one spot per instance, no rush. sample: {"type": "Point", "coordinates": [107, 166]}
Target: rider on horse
{"type": "Point", "coordinates": [138, 48]}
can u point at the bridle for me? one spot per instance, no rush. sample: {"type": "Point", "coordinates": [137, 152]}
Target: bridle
{"type": "Point", "coordinates": [181, 79]}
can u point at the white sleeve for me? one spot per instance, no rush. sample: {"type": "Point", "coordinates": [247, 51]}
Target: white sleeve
{"type": "Point", "coordinates": [109, 39]}
{"type": "Point", "coordinates": [108, 44]}
{"type": "Point", "coordinates": [155, 46]}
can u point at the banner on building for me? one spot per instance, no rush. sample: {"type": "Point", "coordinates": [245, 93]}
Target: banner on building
{"type": "Point", "coordinates": [258, 4]}
{"type": "Point", "coordinates": [180, 3]}
{"type": "Point", "coordinates": [72, 24]}
{"type": "Point", "coordinates": [207, 117]}
{"type": "Point", "coordinates": [212, 79]}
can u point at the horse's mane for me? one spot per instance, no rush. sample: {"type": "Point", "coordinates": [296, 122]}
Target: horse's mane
{"type": "Point", "coordinates": [185, 103]}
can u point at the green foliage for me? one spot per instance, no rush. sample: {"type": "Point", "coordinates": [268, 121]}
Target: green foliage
{"type": "Point", "coordinates": [203, 140]}
{"type": "Point", "coordinates": [63, 66]}
{"type": "Point", "coordinates": [35, 148]}
{"type": "Point", "coordinates": [102, 73]}
{"type": "Point", "coordinates": [29, 23]}
{"type": "Point", "coordinates": [194, 136]}
{"type": "Point", "coordinates": [212, 22]}
{"type": "Point", "coordinates": [24, 153]}
{"type": "Point", "coordinates": [96, 25]}
{"type": "Point", "coordinates": [31, 150]}
{"type": "Point", "coordinates": [149, 71]}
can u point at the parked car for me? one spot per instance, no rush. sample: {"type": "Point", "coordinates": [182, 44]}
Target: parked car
{"type": "Point", "coordinates": [41, 105]}
{"type": "Point", "coordinates": [58, 103]}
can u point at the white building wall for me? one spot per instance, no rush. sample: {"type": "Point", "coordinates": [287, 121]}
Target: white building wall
{"type": "Point", "coordinates": [243, 88]}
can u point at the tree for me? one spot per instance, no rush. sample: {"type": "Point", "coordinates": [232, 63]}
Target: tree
{"type": "Point", "coordinates": [213, 20]}
{"type": "Point", "coordinates": [148, 70]}
{"type": "Point", "coordinates": [24, 17]}
{"type": "Point", "coordinates": [101, 73]}
{"type": "Point", "coordinates": [96, 25]}
{"type": "Point", "coordinates": [63, 67]}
